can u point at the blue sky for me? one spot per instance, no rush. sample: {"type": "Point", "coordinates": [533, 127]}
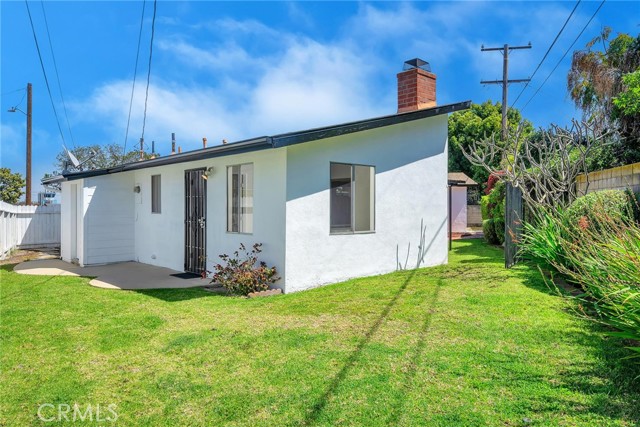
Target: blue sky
{"type": "Point", "coordinates": [234, 70]}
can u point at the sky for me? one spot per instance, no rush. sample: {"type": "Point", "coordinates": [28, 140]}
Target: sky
{"type": "Point", "coordinates": [237, 70]}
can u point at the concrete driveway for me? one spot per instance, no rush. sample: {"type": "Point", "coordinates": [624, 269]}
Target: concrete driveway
{"type": "Point", "coordinates": [124, 275]}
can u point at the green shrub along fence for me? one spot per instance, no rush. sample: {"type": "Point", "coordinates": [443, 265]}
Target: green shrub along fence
{"type": "Point", "coordinates": [595, 245]}
{"type": "Point", "coordinates": [493, 208]}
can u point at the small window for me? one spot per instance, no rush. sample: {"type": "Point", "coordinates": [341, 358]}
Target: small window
{"type": "Point", "coordinates": [155, 193]}
{"type": "Point", "coordinates": [352, 198]}
{"type": "Point", "coordinates": [240, 198]}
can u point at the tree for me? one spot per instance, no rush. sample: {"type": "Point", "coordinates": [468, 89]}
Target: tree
{"type": "Point", "coordinates": [475, 124]}
{"type": "Point", "coordinates": [544, 165]}
{"type": "Point", "coordinates": [98, 156]}
{"type": "Point", "coordinates": [604, 85]}
{"type": "Point", "coordinates": [11, 185]}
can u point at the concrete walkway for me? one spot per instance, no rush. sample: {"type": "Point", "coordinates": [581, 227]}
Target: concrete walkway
{"type": "Point", "coordinates": [124, 275]}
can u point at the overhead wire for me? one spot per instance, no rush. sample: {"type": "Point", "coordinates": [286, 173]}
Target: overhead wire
{"type": "Point", "coordinates": [146, 98]}
{"type": "Point", "coordinates": [565, 54]}
{"type": "Point", "coordinates": [133, 86]}
{"type": "Point", "coordinates": [55, 66]}
{"type": "Point", "coordinates": [547, 53]}
{"type": "Point", "coordinates": [44, 72]}
{"type": "Point", "coordinates": [14, 91]}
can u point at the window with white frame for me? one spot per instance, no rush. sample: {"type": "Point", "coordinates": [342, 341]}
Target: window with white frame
{"type": "Point", "coordinates": [240, 198]}
{"type": "Point", "coordinates": [352, 198]}
{"type": "Point", "coordinates": [155, 194]}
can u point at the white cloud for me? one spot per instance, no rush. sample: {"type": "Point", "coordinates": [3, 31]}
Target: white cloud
{"type": "Point", "coordinates": [215, 57]}
{"type": "Point", "coordinates": [314, 85]}
{"type": "Point", "coordinates": [303, 84]}
{"type": "Point", "coordinates": [298, 83]}
{"type": "Point", "coordinates": [299, 16]}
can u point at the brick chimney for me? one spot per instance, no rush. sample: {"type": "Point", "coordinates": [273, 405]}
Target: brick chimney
{"type": "Point", "coordinates": [416, 86]}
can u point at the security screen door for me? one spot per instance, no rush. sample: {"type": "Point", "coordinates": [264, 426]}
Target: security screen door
{"type": "Point", "coordinates": [195, 221]}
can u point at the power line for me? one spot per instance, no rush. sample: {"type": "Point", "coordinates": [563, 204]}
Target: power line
{"type": "Point", "coordinates": [14, 91]}
{"type": "Point", "coordinates": [55, 66]}
{"type": "Point", "coordinates": [46, 80]}
{"type": "Point", "coordinates": [146, 98]}
{"type": "Point", "coordinates": [565, 54]}
{"type": "Point", "coordinates": [133, 86]}
{"type": "Point", "coordinates": [547, 53]}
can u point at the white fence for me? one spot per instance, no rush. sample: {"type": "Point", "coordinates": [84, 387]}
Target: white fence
{"type": "Point", "coordinates": [28, 227]}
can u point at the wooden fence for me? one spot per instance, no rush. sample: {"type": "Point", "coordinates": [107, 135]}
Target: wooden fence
{"type": "Point", "coordinates": [28, 227]}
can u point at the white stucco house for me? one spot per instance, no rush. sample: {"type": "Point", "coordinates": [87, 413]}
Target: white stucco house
{"type": "Point", "coordinates": [328, 204]}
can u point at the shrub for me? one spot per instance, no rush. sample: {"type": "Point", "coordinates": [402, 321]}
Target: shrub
{"type": "Point", "coordinates": [492, 207]}
{"type": "Point", "coordinates": [595, 209]}
{"type": "Point", "coordinates": [489, 231]}
{"type": "Point", "coordinates": [498, 227]}
{"type": "Point", "coordinates": [241, 276]}
{"type": "Point", "coordinates": [634, 199]}
{"type": "Point", "coordinates": [602, 257]}
{"type": "Point", "coordinates": [606, 263]}
{"type": "Point", "coordinates": [484, 207]}
{"type": "Point", "coordinates": [542, 242]}
{"type": "Point", "coordinates": [491, 182]}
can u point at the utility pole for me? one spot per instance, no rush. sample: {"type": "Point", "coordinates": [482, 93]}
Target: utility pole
{"type": "Point", "coordinates": [29, 110]}
{"type": "Point", "coordinates": [28, 114]}
{"type": "Point", "coordinates": [505, 80]}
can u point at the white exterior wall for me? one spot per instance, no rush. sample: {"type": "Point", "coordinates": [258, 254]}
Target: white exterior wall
{"type": "Point", "coordinates": [160, 237]}
{"type": "Point", "coordinates": [410, 190]}
{"type": "Point", "coordinates": [459, 209]}
{"type": "Point", "coordinates": [71, 221]}
{"type": "Point", "coordinates": [108, 217]}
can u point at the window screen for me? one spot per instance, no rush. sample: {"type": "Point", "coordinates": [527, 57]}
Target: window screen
{"type": "Point", "coordinates": [240, 198]}
{"type": "Point", "coordinates": [155, 193]}
{"type": "Point", "coordinates": [352, 198]}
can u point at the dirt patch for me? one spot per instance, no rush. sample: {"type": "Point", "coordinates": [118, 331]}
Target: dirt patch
{"type": "Point", "coordinates": [22, 255]}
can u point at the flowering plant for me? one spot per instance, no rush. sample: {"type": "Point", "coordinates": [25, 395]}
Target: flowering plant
{"type": "Point", "coordinates": [239, 274]}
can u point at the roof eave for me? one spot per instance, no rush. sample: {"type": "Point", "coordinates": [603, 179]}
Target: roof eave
{"type": "Point", "coordinates": [277, 141]}
{"type": "Point", "coordinates": [52, 180]}
{"type": "Point", "coordinates": [292, 138]}
{"type": "Point", "coordinates": [201, 154]}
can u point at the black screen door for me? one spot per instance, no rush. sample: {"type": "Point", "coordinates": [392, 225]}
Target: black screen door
{"type": "Point", "coordinates": [195, 221]}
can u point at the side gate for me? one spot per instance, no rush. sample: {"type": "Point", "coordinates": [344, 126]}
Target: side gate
{"type": "Point", "coordinates": [514, 214]}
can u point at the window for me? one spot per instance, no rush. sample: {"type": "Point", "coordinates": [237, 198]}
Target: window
{"type": "Point", "coordinates": [155, 193]}
{"type": "Point", "coordinates": [240, 198]}
{"type": "Point", "coordinates": [352, 198]}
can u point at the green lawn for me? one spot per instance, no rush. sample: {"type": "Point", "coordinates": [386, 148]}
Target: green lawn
{"type": "Point", "coordinates": [466, 344]}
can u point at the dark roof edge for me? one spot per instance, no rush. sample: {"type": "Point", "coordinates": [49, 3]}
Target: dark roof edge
{"type": "Point", "coordinates": [291, 138]}
{"type": "Point", "coordinates": [264, 142]}
{"type": "Point", "coordinates": [52, 179]}
{"type": "Point", "coordinates": [201, 154]}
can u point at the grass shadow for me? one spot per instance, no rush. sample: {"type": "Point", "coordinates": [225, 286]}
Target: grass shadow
{"type": "Point", "coordinates": [613, 384]}
{"type": "Point", "coordinates": [414, 361]}
{"type": "Point", "coordinates": [319, 406]}
{"type": "Point", "coordinates": [8, 267]}
{"type": "Point", "coordinates": [179, 294]}
{"type": "Point", "coordinates": [616, 375]}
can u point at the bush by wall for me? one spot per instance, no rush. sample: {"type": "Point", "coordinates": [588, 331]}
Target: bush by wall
{"type": "Point", "coordinates": [493, 207]}
{"type": "Point", "coordinates": [488, 228]}
{"type": "Point", "coordinates": [239, 273]}
{"type": "Point", "coordinates": [598, 207]}
{"type": "Point", "coordinates": [601, 254]}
